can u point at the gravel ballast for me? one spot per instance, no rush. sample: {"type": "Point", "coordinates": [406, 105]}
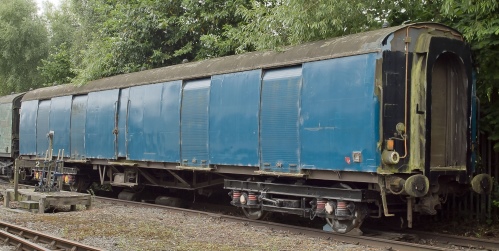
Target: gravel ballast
{"type": "Point", "coordinates": [118, 227]}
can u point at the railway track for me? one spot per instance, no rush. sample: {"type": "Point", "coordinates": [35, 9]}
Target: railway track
{"type": "Point", "coordinates": [380, 239]}
{"type": "Point", "coordinates": [401, 240]}
{"type": "Point", "coordinates": [27, 239]}
{"type": "Point", "coordinates": [439, 240]}
{"type": "Point", "coordinates": [460, 241]}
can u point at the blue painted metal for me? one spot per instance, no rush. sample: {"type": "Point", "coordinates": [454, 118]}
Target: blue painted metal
{"type": "Point", "coordinates": [194, 123]}
{"type": "Point", "coordinates": [100, 123]}
{"type": "Point", "coordinates": [42, 128]}
{"type": "Point", "coordinates": [59, 122]}
{"type": "Point", "coordinates": [78, 118]}
{"type": "Point", "coordinates": [153, 122]}
{"type": "Point", "coordinates": [122, 122]}
{"type": "Point", "coordinates": [234, 106]}
{"type": "Point", "coordinates": [27, 127]}
{"type": "Point", "coordinates": [170, 125]}
{"type": "Point", "coordinates": [339, 114]}
{"type": "Point", "coordinates": [280, 101]}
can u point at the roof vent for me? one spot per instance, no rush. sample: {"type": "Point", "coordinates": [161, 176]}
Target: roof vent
{"type": "Point", "coordinates": [386, 24]}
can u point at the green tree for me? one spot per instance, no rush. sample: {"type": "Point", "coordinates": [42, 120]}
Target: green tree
{"type": "Point", "coordinates": [57, 68]}
{"type": "Point", "coordinates": [110, 37]}
{"type": "Point", "coordinates": [272, 24]}
{"type": "Point", "coordinates": [207, 23]}
{"type": "Point", "coordinates": [276, 23]}
{"type": "Point", "coordinates": [23, 43]}
{"type": "Point", "coordinates": [73, 29]}
{"type": "Point", "coordinates": [130, 36]}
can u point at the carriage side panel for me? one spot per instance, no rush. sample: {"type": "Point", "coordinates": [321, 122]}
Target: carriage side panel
{"type": "Point", "coordinates": [122, 121]}
{"type": "Point", "coordinates": [59, 123]}
{"type": "Point", "coordinates": [101, 121]}
{"type": "Point", "coordinates": [279, 120]}
{"type": "Point", "coordinates": [339, 113]}
{"type": "Point", "coordinates": [234, 113]}
{"type": "Point", "coordinates": [27, 130]}
{"type": "Point", "coordinates": [153, 122]}
{"type": "Point", "coordinates": [194, 123]}
{"type": "Point", "coordinates": [42, 128]}
{"type": "Point", "coordinates": [5, 129]}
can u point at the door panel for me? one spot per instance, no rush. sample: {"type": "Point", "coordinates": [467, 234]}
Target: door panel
{"type": "Point", "coordinates": [153, 124]}
{"type": "Point", "coordinates": [27, 127]}
{"type": "Point", "coordinates": [448, 112]}
{"type": "Point", "coordinates": [122, 119]}
{"type": "Point", "coordinates": [78, 118]}
{"type": "Point", "coordinates": [60, 123]}
{"type": "Point", "coordinates": [42, 128]}
{"type": "Point", "coordinates": [100, 141]}
{"type": "Point", "coordinates": [279, 122]}
{"type": "Point", "coordinates": [194, 123]}
{"type": "Point", "coordinates": [234, 118]}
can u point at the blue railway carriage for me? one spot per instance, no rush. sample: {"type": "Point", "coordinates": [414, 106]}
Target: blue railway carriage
{"type": "Point", "coordinates": [363, 125]}
{"type": "Point", "coordinates": [9, 133]}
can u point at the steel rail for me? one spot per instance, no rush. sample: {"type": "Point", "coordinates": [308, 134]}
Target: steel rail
{"type": "Point", "coordinates": [467, 242]}
{"type": "Point", "coordinates": [19, 242]}
{"type": "Point", "coordinates": [353, 239]}
{"type": "Point", "coordinates": [28, 239]}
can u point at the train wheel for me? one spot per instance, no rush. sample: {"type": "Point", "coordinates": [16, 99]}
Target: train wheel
{"type": "Point", "coordinates": [346, 225]}
{"type": "Point", "coordinates": [254, 213]}
{"type": "Point", "coordinates": [170, 201]}
{"type": "Point", "coordinates": [349, 217]}
{"type": "Point", "coordinates": [128, 195]}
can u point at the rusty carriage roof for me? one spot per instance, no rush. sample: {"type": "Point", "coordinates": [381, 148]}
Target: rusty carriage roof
{"type": "Point", "coordinates": [355, 44]}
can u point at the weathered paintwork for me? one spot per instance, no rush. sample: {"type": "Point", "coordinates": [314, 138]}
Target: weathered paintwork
{"type": "Point", "coordinates": [78, 118]}
{"type": "Point", "coordinates": [9, 133]}
{"type": "Point", "coordinates": [122, 121]}
{"type": "Point", "coordinates": [416, 75]}
{"type": "Point", "coordinates": [279, 120]}
{"type": "Point", "coordinates": [28, 128]}
{"type": "Point", "coordinates": [194, 123]}
{"type": "Point", "coordinates": [59, 123]}
{"type": "Point", "coordinates": [234, 119]}
{"type": "Point", "coordinates": [339, 114]}
{"type": "Point", "coordinates": [153, 122]}
{"type": "Point", "coordinates": [309, 107]}
{"type": "Point", "coordinates": [42, 128]}
{"type": "Point", "coordinates": [355, 44]}
{"type": "Point", "coordinates": [5, 128]}
{"type": "Point", "coordinates": [100, 124]}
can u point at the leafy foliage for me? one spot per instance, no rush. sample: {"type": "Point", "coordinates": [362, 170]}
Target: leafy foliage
{"type": "Point", "coordinates": [114, 37]}
{"type": "Point", "coordinates": [208, 21]}
{"type": "Point", "coordinates": [276, 23]}
{"type": "Point", "coordinates": [23, 43]}
{"type": "Point", "coordinates": [56, 69]}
